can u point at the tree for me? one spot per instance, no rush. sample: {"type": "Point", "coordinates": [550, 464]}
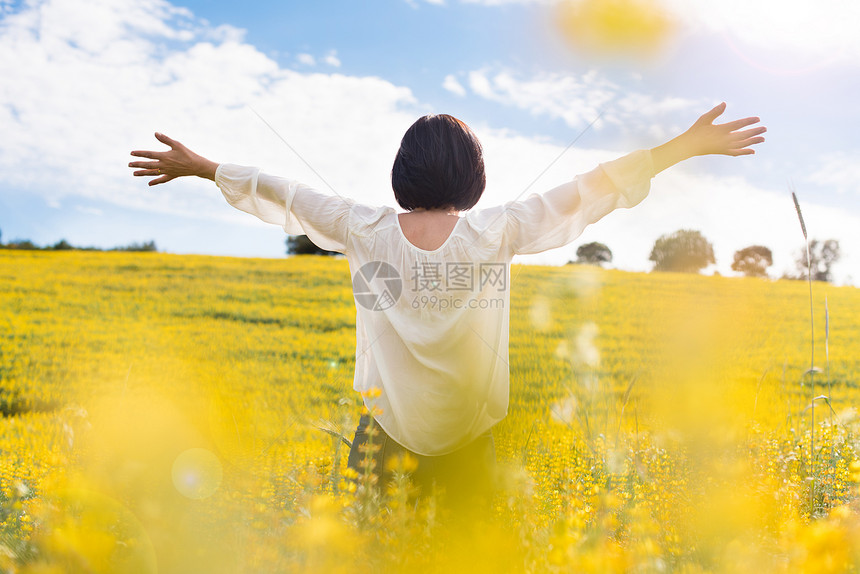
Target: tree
{"type": "Point", "coordinates": [594, 253]}
{"type": "Point", "coordinates": [302, 245]}
{"type": "Point", "coordinates": [685, 250]}
{"type": "Point", "coordinates": [21, 244]}
{"type": "Point", "coordinates": [822, 256]}
{"type": "Point", "coordinates": [753, 261]}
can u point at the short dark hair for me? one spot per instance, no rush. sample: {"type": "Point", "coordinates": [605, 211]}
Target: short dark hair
{"type": "Point", "coordinates": [440, 164]}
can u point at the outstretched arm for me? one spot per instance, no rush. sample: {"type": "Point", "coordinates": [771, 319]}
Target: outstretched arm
{"type": "Point", "coordinates": [705, 137]}
{"type": "Point", "coordinates": [178, 162]}
{"type": "Point", "coordinates": [299, 209]}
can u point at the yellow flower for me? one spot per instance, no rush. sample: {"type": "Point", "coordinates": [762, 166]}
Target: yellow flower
{"type": "Point", "coordinates": [405, 463]}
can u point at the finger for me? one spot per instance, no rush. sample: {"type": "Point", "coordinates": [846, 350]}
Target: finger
{"type": "Point", "coordinates": [745, 151]}
{"type": "Point", "coordinates": [163, 179]}
{"type": "Point", "coordinates": [150, 172]}
{"type": "Point", "coordinates": [742, 123]}
{"type": "Point", "coordinates": [144, 164]}
{"type": "Point", "coordinates": [749, 141]}
{"type": "Point", "coordinates": [166, 140]}
{"type": "Point", "coordinates": [714, 113]}
{"type": "Point", "coordinates": [148, 154]}
{"type": "Point", "coordinates": [750, 133]}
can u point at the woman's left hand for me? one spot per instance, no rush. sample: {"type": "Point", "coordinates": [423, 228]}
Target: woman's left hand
{"type": "Point", "coordinates": [179, 161]}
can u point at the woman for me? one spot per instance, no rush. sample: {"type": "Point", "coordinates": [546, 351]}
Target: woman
{"type": "Point", "coordinates": [431, 286]}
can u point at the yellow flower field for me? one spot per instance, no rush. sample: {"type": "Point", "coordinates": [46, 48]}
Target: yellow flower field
{"type": "Point", "coordinates": [165, 413]}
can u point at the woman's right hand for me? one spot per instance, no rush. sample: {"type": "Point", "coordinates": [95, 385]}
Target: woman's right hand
{"type": "Point", "coordinates": [168, 165]}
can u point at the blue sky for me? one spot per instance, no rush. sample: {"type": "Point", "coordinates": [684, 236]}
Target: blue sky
{"type": "Point", "coordinates": [85, 82]}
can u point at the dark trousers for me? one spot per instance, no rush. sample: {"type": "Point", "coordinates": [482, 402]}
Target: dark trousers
{"type": "Point", "coordinates": [465, 476]}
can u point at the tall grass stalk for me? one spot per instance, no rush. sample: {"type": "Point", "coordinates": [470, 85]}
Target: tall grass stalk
{"type": "Point", "coordinates": [827, 370]}
{"type": "Point", "coordinates": [827, 352]}
{"type": "Point", "coordinates": [812, 351]}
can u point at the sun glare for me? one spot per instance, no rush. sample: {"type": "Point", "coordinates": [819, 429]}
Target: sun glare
{"type": "Point", "coordinates": [614, 28]}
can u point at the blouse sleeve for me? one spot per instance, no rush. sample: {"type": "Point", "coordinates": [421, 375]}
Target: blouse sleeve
{"type": "Point", "coordinates": [298, 208]}
{"type": "Point", "coordinates": [558, 216]}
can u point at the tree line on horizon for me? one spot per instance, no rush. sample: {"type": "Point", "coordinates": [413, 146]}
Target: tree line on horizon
{"type": "Point", "coordinates": [63, 245]}
{"type": "Point", "coordinates": [688, 251]}
{"type": "Point", "coordinates": [685, 251]}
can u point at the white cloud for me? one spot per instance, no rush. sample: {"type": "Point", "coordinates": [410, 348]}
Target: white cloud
{"type": "Point", "coordinates": [580, 100]}
{"type": "Point", "coordinates": [331, 59]}
{"type": "Point", "coordinates": [225, 33]}
{"type": "Point", "coordinates": [306, 59]}
{"type": "Point", "coordinates": [452, 85]}
{"type": "Point", "coordinates": [840, 172]}
{"type": "Point", "coordinates": [577, 101]}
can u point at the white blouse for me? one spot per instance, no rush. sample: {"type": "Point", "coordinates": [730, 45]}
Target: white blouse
{"type": "Point", "coordinates": [432, 326]}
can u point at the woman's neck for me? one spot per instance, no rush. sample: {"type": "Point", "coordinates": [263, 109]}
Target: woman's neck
{"type": "Point", "coordinates": [439, 211]}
